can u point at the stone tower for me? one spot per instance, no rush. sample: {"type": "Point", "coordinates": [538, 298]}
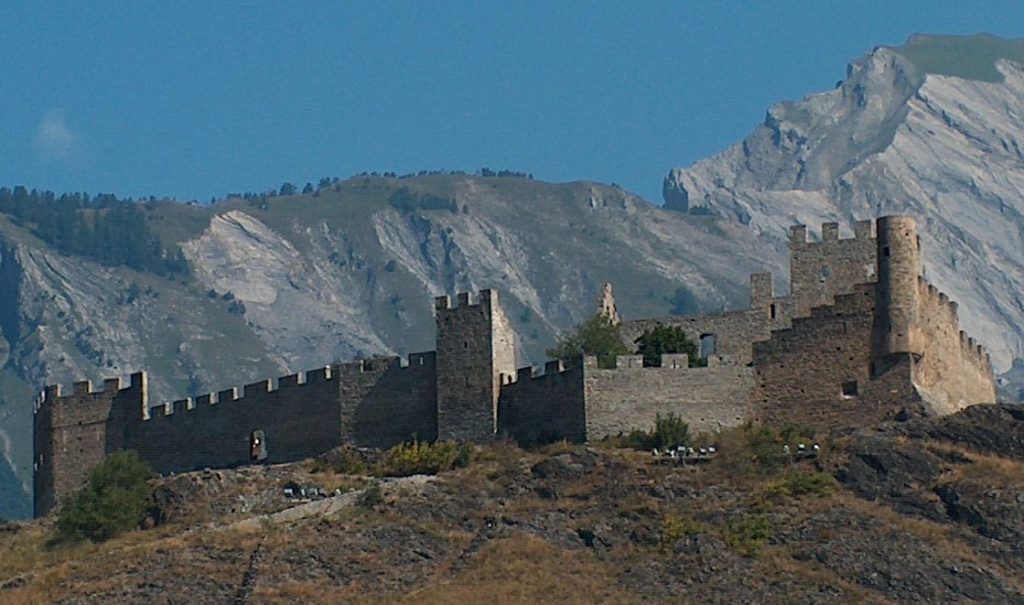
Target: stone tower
{"type": "Point", "coordinates": [73, 433]}
{"type": "Point", "coordinates": [899, 269]}
{"type": "Point", "coordinates": [475, 356]}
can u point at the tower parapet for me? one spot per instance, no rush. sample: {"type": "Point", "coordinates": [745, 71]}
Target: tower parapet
{"type": "Point", "coordinates": [73, 432]}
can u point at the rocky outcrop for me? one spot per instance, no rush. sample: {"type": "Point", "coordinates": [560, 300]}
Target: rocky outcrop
{"type": "Point", "coordinates": [894, 138]}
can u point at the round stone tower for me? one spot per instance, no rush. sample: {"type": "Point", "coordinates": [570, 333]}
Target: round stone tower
{"type": "Point", "coordinates": [899, 268]}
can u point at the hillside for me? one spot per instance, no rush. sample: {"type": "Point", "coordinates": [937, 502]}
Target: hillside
{"type": "Point", "coordinates": [922, 511]}
{"type": "Point", "coordinates": [932, 129]}
{"type": "Point", "coordinates": [286, 283]}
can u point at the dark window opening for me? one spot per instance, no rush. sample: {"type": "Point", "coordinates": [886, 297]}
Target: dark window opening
{"type": "Point", "coordinates": [465, 345]}
{"type": "Point", "coordinates": [771, 311]}
{"type": "Point", "coordinates": [258, 445]}
{"type": "Point", "coordinates": [708, 345]}
{"type": "Point", "coordinates": [885, 251]}
{"type": "Point", "coordinates": [850, 389]}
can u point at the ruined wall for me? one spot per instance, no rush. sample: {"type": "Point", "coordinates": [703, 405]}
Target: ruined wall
{"type": "Point", "coordinates": [475, 354]}
{"type": "Point", "coordinates": [72, 433]}
{"type": "Point", "coordinates": [384, 403]}
{"type": "Point", "coordinates": [734, 331]}
{"type": "Point", "coordinates": [953, 370]}
{"type": "Point", "coordinates": [541, 409]}
{"type": "Point", "coordinates": [630, 396]}
{"type": "Point", "coordinates": [299, 418]}
{"type": "Point", "coordinates": [801, 371]}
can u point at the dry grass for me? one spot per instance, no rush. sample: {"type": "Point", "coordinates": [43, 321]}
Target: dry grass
{"type": "Point", "coordinates": [523, 569]}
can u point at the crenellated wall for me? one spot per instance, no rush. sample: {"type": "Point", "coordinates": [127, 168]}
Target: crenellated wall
{"type": "Point", "coordinates": [384, 403]}
{"type": "Point", "coordinates": [299, 417]}
{"type": "Point", "coordinates": [581, 401]}
{"type": "Point", "coordinates": [819, 271]}
{"type": "Point", "coordinates": [544, 408]}
{"type": "Point", "coordinates": [631, 396]}
{"type": "Point", "coordinates": [953, 371]}
{"type": "Point", "coordinates": [801, 371]}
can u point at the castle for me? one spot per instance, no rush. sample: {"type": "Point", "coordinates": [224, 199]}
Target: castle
{"type": "Point", "coordinates": [860, 337]}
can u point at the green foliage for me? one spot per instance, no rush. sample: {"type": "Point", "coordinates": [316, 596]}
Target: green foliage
{"type": "Point", "coordinates": [597, 336]}
{"type": "Point", "coordinates": [407, 200]}
{"type": "Point", "coordinates": [667, 339]}
{"type": "Point", "coordinates": [343, 461]}
{"type": "Point", "coordinates": [108, 230]}
{"type": "Point", "coordinates": [800, 484]}
{"type": "Point", "coordinates": [674, 527]}
{"type": "Point", "coordinates": [114, 500]}
{"type": "Point", "coordinates": [669, 432]}
{"type": "Point", "coordinates": [748, 534]}
{"type": "Point", "coordinates": [371, 496]}
{"type": "Point", "coordinates": [423, 458]}
{"type": "Point", "coordinates": [754, 450]}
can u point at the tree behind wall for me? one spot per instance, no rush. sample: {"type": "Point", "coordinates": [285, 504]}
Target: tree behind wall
{"type": "Point", "coordinates": [596, 336]}
{"type": "Point", "coordinates": [667, 339]}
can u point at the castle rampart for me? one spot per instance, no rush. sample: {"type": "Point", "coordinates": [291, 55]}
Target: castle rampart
{"type": "Point", "coordinates": [860, 336]}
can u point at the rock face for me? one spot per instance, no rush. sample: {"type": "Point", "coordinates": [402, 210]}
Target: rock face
{"type": "Point", "coordinates": [292, 283]}
{"type": "Point", "coordinates": [896, 137]}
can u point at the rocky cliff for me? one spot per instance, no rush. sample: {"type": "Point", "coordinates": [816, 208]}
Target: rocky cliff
{"type": "Point", "coordinates": [282, 284]}
{"type": "Point", "coordinates": [933, 129]}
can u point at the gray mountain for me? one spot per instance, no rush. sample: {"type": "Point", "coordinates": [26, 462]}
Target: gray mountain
{"type": "Point", "coordinates": [935, 129]}
{"type": "Point", "coordinates": [281, 284]}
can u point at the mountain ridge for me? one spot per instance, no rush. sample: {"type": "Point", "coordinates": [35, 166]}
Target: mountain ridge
{"type": "Point", "coordinates": [893, 138]}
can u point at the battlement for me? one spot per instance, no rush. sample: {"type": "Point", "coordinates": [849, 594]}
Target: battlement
{"type": "Point", "coordinates": [862, 230]}
{"type": "Point", "coordinates": [487, 298]}
{"type": "Point", "coordinates": [936, 299]}
{"type": "Point", "coordinates": [84, 403]}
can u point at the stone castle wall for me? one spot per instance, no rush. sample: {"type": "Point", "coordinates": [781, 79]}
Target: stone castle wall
{"type": "Point", "coordinates": [631, 396]}
{"type": "Point", "coordinates": [299, 418]}
{"type": "Point", "coordinates": [545, 408]}
{"type": "Point", "coordinates": [859, 336]}
{"type": "Point", "coordinates": [820, 372]}
{"type": "Point", "coordinates": [953, 370]}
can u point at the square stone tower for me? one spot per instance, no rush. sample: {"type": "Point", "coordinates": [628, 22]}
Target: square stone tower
{"type": "Point", "coordinates": [475, 356]}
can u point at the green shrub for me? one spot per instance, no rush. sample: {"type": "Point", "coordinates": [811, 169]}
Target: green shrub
{"type": "Point", "coordinates": [114, 500]}
{"type": "Point", "coordinates": [343, 461]}
{"type": "Point", "coordinates": [674, 527]}
{"type": "Point", "coordinates": [753, 450]}
{"type": "Point", "coordinates": [423, 458]}
{"type": "Point", "coordinates": [803, 484]}
{"type": "Point", "coordinates": [669, 431]}
{"type": "Point", "coordinates": [747, 535]}
{"type": "Point", "coordinates": [371, 496]}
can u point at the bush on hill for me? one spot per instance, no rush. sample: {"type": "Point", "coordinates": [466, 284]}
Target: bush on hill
{"type": "Point", "coordinates": [114, 500]}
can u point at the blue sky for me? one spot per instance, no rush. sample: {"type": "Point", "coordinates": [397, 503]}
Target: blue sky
{"type": "Point", "coordinates": [194, 99]}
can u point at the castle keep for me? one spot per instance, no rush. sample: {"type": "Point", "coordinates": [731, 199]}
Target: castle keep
{"type": "Point", "coordinates": [860, 337]}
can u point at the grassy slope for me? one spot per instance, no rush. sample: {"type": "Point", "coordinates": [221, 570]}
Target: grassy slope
{"type": "Point", "coordinates": [619, 527]}
{"type": "Point", "coordinates": [972, 57]}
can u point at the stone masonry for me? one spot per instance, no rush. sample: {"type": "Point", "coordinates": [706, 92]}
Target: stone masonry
{"type": "Point", "coordinates": [860, 337]}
